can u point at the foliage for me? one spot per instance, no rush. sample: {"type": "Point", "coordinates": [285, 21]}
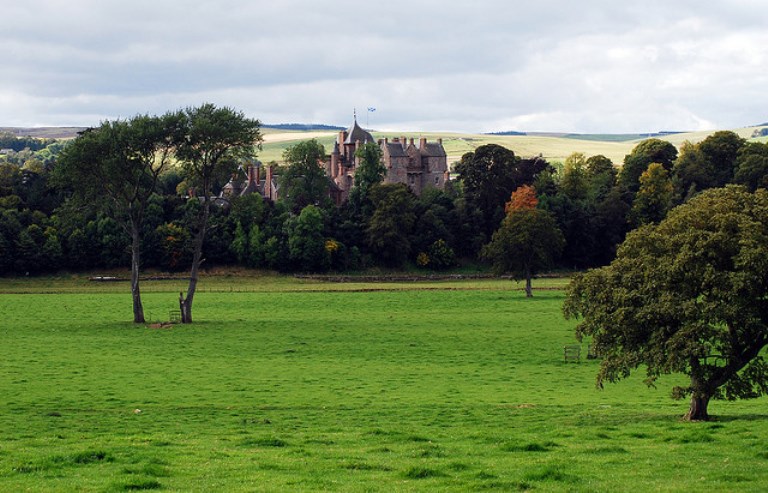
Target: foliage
{"type": "Point", "coordinates": [686, 296]}
{"type": "Point", "coordinates": [574, 182]}
{"type": "Point", "coordinates": [304, 182]}
{"type": "Point", "coordinates": [370, 170]}
{"type": "Point", "coordinates": [711, 163]}
{"type": "Point", "coordinates": [175, 247]}
{"type": "Point", "coordinates": [115, 168]}
{"type": "Point", "coordinates": [306, 241]}
{"type": "Point", "coordinates": [523, 197]}
{"type": "Point", "coordinates": [209, 141]}
{"type": "Point", "coordinates": [390, 227]}
{"type": "Point", "coordinates": [752, 166]}
{"type": "Point", "coordinates": [15, 143]}
{"type": "Point", "coordinates": [527, 242]}
{"type": "Point", "coordinates": [654, 198]}
{"type": "Point", "coordinates": [487, 180]}
{"type": "Point", "coordinates": [721, 150]}
{"type": "Point", "coordinates": [646, 152]}
{"type": "Point", "coordinates": [441, 255]}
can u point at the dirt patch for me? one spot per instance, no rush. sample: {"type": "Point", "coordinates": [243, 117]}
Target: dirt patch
{"type": "Point", "coordinates": [161, 325]}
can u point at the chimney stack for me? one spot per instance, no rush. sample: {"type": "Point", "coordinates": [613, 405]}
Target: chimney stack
{"type": "Point", "coordinates": [422, 143]}
{"type": "Point", "coordinates": [268, 183]}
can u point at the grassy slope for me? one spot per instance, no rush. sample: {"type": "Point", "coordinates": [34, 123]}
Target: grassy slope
{"type": "Point", "coordinates": [298, 385]}
{"type": "Point", "coordinates": [553, 148]}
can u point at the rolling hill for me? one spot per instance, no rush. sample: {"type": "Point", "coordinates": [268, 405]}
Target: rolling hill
{"type": "Point", "coordinates": [552, 146]}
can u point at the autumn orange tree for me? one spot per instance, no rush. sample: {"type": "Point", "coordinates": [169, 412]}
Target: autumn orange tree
{"type": "Point", "coordinates": [522, 198]}
{"type": "Point", "coordinates": [527, 241]}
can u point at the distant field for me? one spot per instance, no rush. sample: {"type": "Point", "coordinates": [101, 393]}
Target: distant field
{"type": "Point", "coordinates": [285, 384]}
{"type": "Point", "coordinates": [553, 148]}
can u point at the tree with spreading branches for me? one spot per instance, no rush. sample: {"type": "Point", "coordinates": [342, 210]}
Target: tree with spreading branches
{"type": "Point", "coordinates": [210, 141]}
{"type": "Point", "coordinates": [688, 295]}
{"type": "Point", "coordinates": [115, 168]}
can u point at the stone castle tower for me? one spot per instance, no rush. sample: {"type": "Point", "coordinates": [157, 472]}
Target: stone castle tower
{"type": "Point", "coordinates": [419, 167]}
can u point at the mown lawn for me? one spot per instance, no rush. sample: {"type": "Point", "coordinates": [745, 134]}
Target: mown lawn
{"type": "Point", "coordinates": [300, 385]}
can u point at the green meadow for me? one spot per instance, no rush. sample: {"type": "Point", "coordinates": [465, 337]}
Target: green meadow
{"type": "Point", "coordinates": [300, 385]}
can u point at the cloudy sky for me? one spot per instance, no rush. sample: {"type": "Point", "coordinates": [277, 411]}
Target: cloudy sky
{"type": "Point", "coordinates": [479, 66]}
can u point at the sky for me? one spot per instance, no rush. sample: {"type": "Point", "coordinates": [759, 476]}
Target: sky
{"type": "Point", "coordinates": [586, 66]}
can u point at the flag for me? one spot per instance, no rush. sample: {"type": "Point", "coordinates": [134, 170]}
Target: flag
{"type": "Point", "coordinates": [371, 109]}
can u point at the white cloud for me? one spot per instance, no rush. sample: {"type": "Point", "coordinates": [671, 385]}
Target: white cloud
{"type": "Point", "coordinates": [591, 66]}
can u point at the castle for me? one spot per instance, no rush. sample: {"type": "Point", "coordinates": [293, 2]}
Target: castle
{"type": "Point", "coordinates": [419, 167]}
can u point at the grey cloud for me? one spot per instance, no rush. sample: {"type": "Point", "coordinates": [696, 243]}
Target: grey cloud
{"type": "Point", "coordinates": [595, 65]}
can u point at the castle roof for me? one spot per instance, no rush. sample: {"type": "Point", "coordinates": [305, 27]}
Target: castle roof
{"type": "Point", "coordinates": [355, 133]}
{"type": "Point", "coordinates": [395, 149]}
{"type": "Point", "coordinates": [433, 149]}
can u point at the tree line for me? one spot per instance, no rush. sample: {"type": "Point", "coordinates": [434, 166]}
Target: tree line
{"type": "Point", "coordinates": [122, 187]}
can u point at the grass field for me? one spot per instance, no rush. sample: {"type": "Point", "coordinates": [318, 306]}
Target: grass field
{"type": "Point", "coordinates": [555, 148]}
{"type": "Point", "coordinates": [296, 385]}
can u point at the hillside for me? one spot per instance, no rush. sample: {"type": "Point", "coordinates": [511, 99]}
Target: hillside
{"type": "Point", "coordinates": [552, 146]}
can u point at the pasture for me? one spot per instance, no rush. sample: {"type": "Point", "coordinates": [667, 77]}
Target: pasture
{"type": "Point", "coordinates": [284, 384]}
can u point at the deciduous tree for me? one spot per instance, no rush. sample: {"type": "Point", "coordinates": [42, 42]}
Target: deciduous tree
{"type": "Point", "coordinates": [115, 167]}
{"type": "Point", "coordinates": [654, 198]}
{"type": "Point", "coordinates": [689, 295]}
{"type": "Point", "coordinates": [391, 224]}
{"type": "Point", "coordinates": [646, 152]}
{"type": "Point", "coordinates": [209, 142]}
{"type": "Point", "coordinates": [304, 182]}
{"type": "Point", "coordinates": [752, 166]}
{"type": "Point", "coordinates": [527, 242]}
{"type": "Point", "coordinates": [487, 177]}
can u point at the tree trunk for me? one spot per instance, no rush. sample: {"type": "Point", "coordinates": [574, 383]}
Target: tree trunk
{"type": "Point", "coordinates": [185, 304]}
{"type": "Point", "coordinates": [138, 308]}
{"type": "Point", "coordinates": [698, 409]}
{"type": "Point", "coordinates": [528, 290]}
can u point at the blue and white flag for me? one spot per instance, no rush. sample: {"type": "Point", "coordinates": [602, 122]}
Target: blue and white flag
{"type": "Point", "coordinates": [371, 109]}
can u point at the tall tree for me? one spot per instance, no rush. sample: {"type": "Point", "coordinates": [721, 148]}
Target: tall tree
{"type": "Point", "coordinates": [527, 242]}
{"type": "Point", "coordinates": [654, 198]}
{"type": "Point", "coordinates": [692, 172]}
{"type": "Point", "coordinates": [721, 149]}
{"type": "Point", "coordinates": [306, 241]}
{"type": "Point", "coordinates": [646, 152]}
{"type": "Point", "coordinates": [115, 167]}
{"type": "Point", "coordinates": [487, 177]}
{"type": "Point", "coordinates": [304, 182]}
{"type": "Point", "coordinates": [574, 182]}
{"type": "Point", "coordinates": [368, 173]}
{"type": "Point", "coordinates": [752, 166]}
{"type": "Point", "coordinates": [391, 224]}
{"type": "Point", "coordinates": [689, 295]}
{"type": "Point", "coordinates": [209, 143]}
{"type": "Point", "coordinates": [601, 175]}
